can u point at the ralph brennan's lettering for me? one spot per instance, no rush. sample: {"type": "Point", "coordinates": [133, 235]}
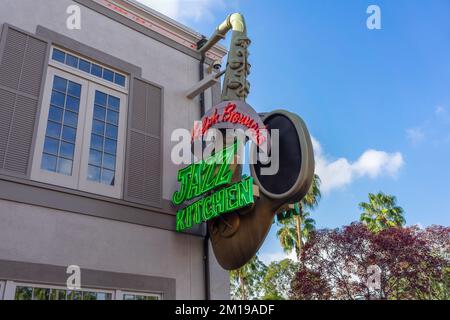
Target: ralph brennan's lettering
{"type": "Point", "coordinates": [232, 116]}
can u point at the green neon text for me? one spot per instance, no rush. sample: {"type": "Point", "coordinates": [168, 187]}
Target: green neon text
{"type": "Point", "coordinates": [226, 200]}
{"type": "Point", "coordinates": [199, 178]}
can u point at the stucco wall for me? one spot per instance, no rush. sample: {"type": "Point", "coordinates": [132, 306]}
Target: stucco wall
{"type": "Point", "coordinates": [46, 236]}
{"type": "Point", "coordinates": [41, 235]}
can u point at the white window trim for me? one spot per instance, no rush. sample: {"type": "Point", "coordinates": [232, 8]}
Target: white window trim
{"type": "Point", "coordinates": [2, 289]}
{"type": "Point", "coordinates": [90, 77]}
{"type": "Point", "coordinates": [95, 187]}
{"type": "Point", "coordinates": [39, 174]}
{"type": "Point", "coordinates": [10, 290]}
{"type": "Point", "coordinates": [120, 294]}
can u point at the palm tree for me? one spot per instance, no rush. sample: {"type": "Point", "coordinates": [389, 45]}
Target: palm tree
{"type": "Point", "coordinates": [246, 280]}
{"type": "Point", "coordinates": [295, 231]}
{"type": "Point", "coordinates": [381, 212]}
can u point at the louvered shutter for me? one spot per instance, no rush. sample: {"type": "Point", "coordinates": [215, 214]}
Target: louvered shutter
{"type": "Point", "coordinates": [143, 173]}
{"type": "Point", "coordinates": [23, 60]}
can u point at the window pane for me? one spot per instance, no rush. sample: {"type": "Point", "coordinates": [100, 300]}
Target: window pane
{"type": "Point", "coordinates": [55, 114]}
{"type": "Point", "coordinates": [58, 99]}
{"type": "Point", "coordinates": [110, 146]}
{"type": "Point", "coordinates": [101, 296]}
{"type": "Point", "coordinates": [23, 293]}
{"type": "Point", "coordinates": [65, 166]}
{"type": "Point", "coordinates": [58, 55]}
{"type": "Point", "coordinates": [51, 146]}
{"type": "Point", "coordinates": [109, 162]}
{"type": "Point", "coordinates": [104, 139]}
{"type": "Point", "coordinates": [108, 75]}
{"type": "Point", "coordinates": [89, 296]}
{"type": "Point", "coordinates": [108, 177]}
{"type": "Point", "coordinates": [85, 66]}
{"type": "Point", "coordinates": [128, 297]}
{"type": "Point", "coordinates": [62, 294]}
{"type": "Point", "coordinates": [70, 119]}
{"type": "Point", "coordinates": [59, 145]}
{"type": "Point", "coordinates": [74, 89]}
{"type": "Point", "coordinates": [41, 294]}
{"type": "Point", "coordinates": [119, 79]}
{"type": "Point", "coordinates": [53, 130]}
{"type": "Point", "coordinates": [94, 173]}
{"type": "Point", "coordinates": [100, 98]}
{"type": "Point", "coordinates": [111, 131]}
{"type": "Point", "coordinates": [69, 134]}
{"type": "Point", "coordinates": [54, 294]}
{"type": "Point", "coordinates": [113, 117]}
{"type": "Point", "coordinates": [95, 158]}
{"type": "Point", "coordinates": [60, 84]}
{"type": "Point", "coordinates": [98, 127]}
{"type": "Point", "coordinates": [96, 70]}
{"type": "Point", "coordinates": [113, 103]}
{"type": "Point", "coordinates": [97, 142]}
{"type": "Point", "coordinates": [72, 61]}
{"type": "Point", "coordinates": [48, 162]}
{"type": "Point", "coordinates": [67, 150]}
{"type": "Point", "coordinates": [72, 103]}
{"type": "Point", "coordinates": [74, 295]}
{"type": "Point", "coordinates": [99, 113]}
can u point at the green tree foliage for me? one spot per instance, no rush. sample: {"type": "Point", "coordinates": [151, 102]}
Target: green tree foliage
{"type": "Point", "coordinates": [336, 264]}
{"type": "Point", "coordinates": [288, 234]}
{"type": "Point", "coordinates": [246, 282]}
{"type": "Point", "coordinates": [278, 278]}
{"type": "Point", "coordinates": [312, 198]}
{"type": "Point", "coordinates": [381, 212]}
{"type": "Point", "coordinates": [294, 231]}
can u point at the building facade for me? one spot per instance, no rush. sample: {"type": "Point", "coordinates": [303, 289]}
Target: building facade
{"type": "Point", "coordinates": [86, 176]}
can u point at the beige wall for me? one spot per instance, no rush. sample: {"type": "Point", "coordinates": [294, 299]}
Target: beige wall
{"type": "Point", "coordinates": [46, 236]}
{"type": "Point", "coordinates": [41, 235]}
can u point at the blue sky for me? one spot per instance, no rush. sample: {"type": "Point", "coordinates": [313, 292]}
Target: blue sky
{"type": "Point", "coordinates": [377, 101]}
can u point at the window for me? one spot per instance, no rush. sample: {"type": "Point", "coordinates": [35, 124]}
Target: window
{"type": "Point", "coordinates": [27, 291]}
{"type": "Point", "coordinates": [103, 145]}
{"type": "Point", "coordinates": [137, 296]}
{"type": "Point", "coordinates": [81, 134]}
{"type": "Point", "coordinates": [60, 137]}
{"type": "Point", "coordinates": [41, 292]}
{"type": "Point", "coordinates": [102, 161]}
{"type": "Point", "coordinates": [83, 65]}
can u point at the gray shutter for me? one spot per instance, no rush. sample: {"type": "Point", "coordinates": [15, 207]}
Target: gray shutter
{"type": "Point", "coordinates": [23, 60]}
{"type": "Point", "coordinates": [143, 173]}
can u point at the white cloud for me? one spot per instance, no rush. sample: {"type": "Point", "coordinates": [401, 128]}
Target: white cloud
{"type": "Point", "coordinates": [434, 129]}
{"type": "Point", "coordinates": [269, 257]}
{"type": "Point", "coordinates": [415, 135]}
{"type": "Point", "coordinates": [185, 9]}
{"type": "Point", "coordinates": [443, 114]}
{"type": "Point", "coordinates": [342, 172]}
{"type": "Point", "coordinates": [440, 110]}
